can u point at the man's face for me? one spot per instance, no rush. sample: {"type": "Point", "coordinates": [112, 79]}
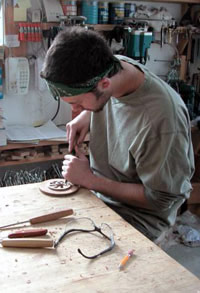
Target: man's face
{"type": "Point", "coordinates": [92, 101]}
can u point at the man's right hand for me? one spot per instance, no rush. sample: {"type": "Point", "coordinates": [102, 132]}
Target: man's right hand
{"type": "Point", "coordinates": [77, 129]}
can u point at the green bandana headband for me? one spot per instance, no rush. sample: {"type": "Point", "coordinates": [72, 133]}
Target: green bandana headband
{"type": "Point", "coordinates": [61, 90]}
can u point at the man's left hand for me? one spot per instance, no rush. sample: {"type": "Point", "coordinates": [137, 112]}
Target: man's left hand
{"type": "Point", "coordinates": [76, 169]}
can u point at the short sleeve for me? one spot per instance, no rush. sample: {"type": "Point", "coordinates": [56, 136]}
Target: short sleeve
{"type": "Point", "coordinates": [165, 165]}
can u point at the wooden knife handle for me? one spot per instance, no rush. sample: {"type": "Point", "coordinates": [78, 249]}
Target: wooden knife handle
{"type": "Point", "coordinates": [51, 217]}
{"type": "Point", "coordinates": [28, 233]}
{"type": "Point", "coordinates": [31, 243]}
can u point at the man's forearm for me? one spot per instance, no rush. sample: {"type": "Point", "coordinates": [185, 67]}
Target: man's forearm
{"type": "Point", "coordinates": [129, 193]}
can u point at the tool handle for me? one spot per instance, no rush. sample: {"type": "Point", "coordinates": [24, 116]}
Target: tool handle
{"type": "Point", "coordinates": [28, 233]}
{"type": "Point", "coordinates": [51, 217]}
{"type": "Point", "coordinates": [31, 243]}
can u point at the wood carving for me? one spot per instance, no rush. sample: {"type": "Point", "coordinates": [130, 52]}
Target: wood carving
{"type": "Point", "coordinates": [58, 187]}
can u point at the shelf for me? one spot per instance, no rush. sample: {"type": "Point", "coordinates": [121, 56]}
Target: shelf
{"type": "Point", "coordinates": [12, 146]}
{"type": "Point", "coordinates": [22, 153]}
{"type": "Point", "coordinates": [161, 1]}
{"type": "Point", "coordinates": [98, 27]}
{"type": "Point", "coordinates": [51, 150]}
{"type": "Point", "coordinates": [38, 160]}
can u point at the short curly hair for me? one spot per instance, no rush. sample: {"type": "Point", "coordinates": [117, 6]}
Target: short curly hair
{"type": "Point", "coordinates": [77, 55]}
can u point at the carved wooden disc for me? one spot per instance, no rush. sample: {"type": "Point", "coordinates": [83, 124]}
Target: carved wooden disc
{"type": "Point", "coordinates": [57, 187]}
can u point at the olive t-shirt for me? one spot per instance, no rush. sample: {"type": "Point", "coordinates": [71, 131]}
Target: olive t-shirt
{"type": "Point", "coordinates": [144, 137]}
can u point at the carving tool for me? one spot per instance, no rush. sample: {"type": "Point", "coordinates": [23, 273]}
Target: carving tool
{"type": "Point", "coordinates": [29, 242]}
{"type": "Point", "coordinates": [125, 259]}
{"type": "Point", "coordinates": [28, 233]}
{"type": "Point", "coordinates": [162, 32]}
{"type": "Point", "coordinates": [43, 218]}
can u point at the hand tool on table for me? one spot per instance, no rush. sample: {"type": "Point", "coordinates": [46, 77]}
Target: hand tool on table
{"type": "Point", "coordinates": [28, 242]}
{"type": "Point", "coordinates": [14, 239]}
{"type": "Point", "coordinates": [28, 233]}
{"type": "Point", "coordinates": [43, 218]}
{"type": "Point", "coordinates": [17, 242]}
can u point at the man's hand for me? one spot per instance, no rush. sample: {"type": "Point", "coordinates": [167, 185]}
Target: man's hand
{"type": "Point", "coordinates": [76, 169]}
{"type": "Point", "coordinates": [77, 129]}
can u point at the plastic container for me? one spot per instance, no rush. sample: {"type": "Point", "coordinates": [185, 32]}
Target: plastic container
{"type": "Point", "coordinates": [90, 11]}
{"type": "Point", "coordinates": [116, 12]}
{"type": "Point", "coordinates": [103, 12]}
{"type": "Point", "coordinates": [129, 10]}
{"type": "Point", "coordinates": [69, 7]}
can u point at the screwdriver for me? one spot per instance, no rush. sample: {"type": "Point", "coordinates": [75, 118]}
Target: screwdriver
{"type": "Point", "coordinates": [43, 218]}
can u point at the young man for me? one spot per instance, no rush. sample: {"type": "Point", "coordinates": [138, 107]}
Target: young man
{"type": "Point", "coordinates": [141, 156]}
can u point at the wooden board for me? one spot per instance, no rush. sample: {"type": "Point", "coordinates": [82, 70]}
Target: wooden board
{"type": "Point", "coordinates": [44, 188]}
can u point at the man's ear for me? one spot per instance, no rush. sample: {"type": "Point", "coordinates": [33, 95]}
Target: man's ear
{"type": "Point", "coordinates": [104, 83]}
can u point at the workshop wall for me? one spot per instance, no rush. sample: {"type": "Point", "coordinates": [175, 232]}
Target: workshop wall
{"type": "Point", "coordinates": [37, 106]}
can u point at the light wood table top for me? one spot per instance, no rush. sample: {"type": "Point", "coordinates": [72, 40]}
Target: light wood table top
{"type": "Point", "coordinates": [64, 270]}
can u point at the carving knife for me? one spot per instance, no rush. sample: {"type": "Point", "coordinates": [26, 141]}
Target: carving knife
{"type": "Point", "coordinates": [43, 218]}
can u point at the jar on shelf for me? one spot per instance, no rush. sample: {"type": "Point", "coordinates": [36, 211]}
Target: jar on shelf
{"type": "Point", "coordinates": [90, 11]}
{"type": "Point", "coordinates": [116, 12]}
{"type": "Point", "coordinates": [69, 7]}
{"type": "Point", "coordinates": [129, 10]}
{"type": "Point", "coordinates": [103, 12]}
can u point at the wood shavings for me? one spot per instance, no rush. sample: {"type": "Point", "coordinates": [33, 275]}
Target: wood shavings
{"type": "Point", "coordinates": [63, 262]}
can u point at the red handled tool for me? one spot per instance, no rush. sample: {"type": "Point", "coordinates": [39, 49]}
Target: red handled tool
{"type": "Point", "coordinates": [28, 233]}
{"type": "Point", "coordinates": [14, 239]}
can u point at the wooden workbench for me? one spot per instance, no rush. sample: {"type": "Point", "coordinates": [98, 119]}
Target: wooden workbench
{"type": "Point", "coordinates": [65, 270]}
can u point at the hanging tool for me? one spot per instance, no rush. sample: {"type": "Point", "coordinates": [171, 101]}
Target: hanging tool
{"type": "Point", "coordinates": [162, 35]}
{"type": "Point", "coordinates": [44, 218]}
{"type": "Point", "coordinates": [30, 242]}
{"type": "Point", "coordinates": [166, 36]}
